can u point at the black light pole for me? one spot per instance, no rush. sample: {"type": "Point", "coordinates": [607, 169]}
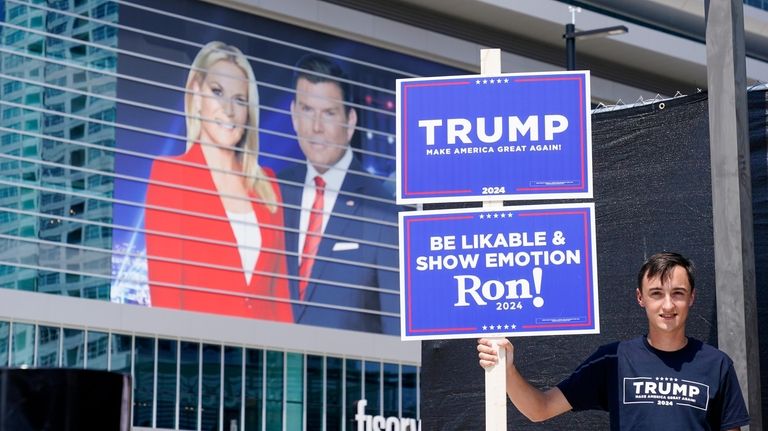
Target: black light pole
{"type": "Point", "coordinates": [570, 46]}
{"type": "Point", "coordinates": [571, 35]}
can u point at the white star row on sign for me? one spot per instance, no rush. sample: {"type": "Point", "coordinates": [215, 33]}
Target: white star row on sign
{"type": "Point", "coordinates": [495, 215]}
{"type": "Point", "coordinates": [492, 81]}
{"type": "Point", "coordinates": [498, 327]}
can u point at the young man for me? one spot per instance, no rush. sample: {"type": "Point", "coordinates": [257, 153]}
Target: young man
{"type": "Point", "coordinates": [341, 224]}
{"type": "Point", "coordinates": [663, 380]}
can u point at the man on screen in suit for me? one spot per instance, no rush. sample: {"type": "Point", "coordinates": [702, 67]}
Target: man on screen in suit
{"type": "Point", "coordinates": [341, 224]}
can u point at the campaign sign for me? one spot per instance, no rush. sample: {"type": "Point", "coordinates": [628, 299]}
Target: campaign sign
{"type": "Point", "coordinates": [510, 271]}
{"type": "Point", "coordinates": [511, 136]}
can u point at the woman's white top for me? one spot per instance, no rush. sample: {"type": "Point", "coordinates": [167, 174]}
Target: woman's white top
{"type": "Point", "coordinates": [246, 229]}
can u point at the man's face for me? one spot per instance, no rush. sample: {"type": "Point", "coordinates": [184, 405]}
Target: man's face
{"type": "Point", "coordinates": [323, 127]}
{"type": "Point", "coordinates": [666, 302]}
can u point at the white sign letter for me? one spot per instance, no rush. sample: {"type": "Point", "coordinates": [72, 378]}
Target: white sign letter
{"type": "Point", "coordinates": [459, 128]}
{"type": "Point", "coordinates": [550, 128]}
{"type": "Point", "coordinates": [497, 130]}
{"type": "Point", "coordinates": [531, 126]}
{"type": "Point", "coordinates": [430, 125]}
{"type": "Point", "coordinates": [462, 301]}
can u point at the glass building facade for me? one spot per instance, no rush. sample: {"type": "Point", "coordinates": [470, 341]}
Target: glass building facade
{"type": "Point", "coordinates": [58, 121]}
{"type": "Point", "coordinates": [58, 126]}
{"type": "Point", "coordinates": [760, 4]}
{"type": "Point", "coordinates": [191, 385]}
{"type": "Point", "coordinates": [57, 93]}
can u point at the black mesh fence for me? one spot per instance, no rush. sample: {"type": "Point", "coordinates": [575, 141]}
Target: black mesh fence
{"type": "Point", "coordinates": [652, 193]}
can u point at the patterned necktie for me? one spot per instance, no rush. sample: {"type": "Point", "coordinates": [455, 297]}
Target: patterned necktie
{"type": "Point", "coordinates": [313, 237]}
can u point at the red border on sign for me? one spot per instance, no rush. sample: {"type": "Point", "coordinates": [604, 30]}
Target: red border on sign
{"type": "Point", "coordinates": [408, 284]}
{"type": "Point", "coordinates": [587, 267]}
{"type": "Point", "coordinates": [582, 137]}
{"type": "Point", "coordinates": [405, 136]}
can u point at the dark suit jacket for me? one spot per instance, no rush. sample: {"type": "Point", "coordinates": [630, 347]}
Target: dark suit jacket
{"type": "Point", "coordinates": [342, 274]}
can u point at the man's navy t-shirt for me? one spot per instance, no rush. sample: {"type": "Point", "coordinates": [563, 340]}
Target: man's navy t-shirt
{"type": "Point", "coordinates": [694, 388]}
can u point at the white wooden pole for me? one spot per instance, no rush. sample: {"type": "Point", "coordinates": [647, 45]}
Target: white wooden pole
{"type": "Point", "coordinates": [490, 61]}
{"type": "Point", "coordinates": [496, 376]}
{"type": "Point", "coordinates": [496, 393]}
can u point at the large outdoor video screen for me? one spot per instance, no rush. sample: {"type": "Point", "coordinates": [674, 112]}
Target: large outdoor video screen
{"type": "Point", "coordinates": [256, 168]}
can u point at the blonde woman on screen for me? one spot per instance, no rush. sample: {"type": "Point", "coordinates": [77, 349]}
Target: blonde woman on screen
{"type": "Point", "coordinates": [214, 219]}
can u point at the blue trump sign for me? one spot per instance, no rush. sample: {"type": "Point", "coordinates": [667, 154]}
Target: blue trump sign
{"type": "Point", "coordinates": [511, 271]}
{"type": "Point", "coordinates": [511, 136]}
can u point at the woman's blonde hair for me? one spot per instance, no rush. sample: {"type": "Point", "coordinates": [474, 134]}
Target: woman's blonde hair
{"type": "Point", "coordinates": [210, 54]}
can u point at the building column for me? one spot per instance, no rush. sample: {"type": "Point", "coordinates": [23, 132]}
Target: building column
{"type": "Point", "coordinates": [732, 197]}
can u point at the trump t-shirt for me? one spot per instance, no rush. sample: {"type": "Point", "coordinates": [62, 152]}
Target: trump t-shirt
{"type": "Point", "coordinates": [643, 388]}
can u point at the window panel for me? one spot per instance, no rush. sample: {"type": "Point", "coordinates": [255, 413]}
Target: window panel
{"type": "Point", "coordinates": [274, 416]}
{"type": "Point", "coordinates": [74, 348]}
{"type": "Point", "coordinates": [233, 386]}
{"type": "Point", "coordinates": [373, 387]}
{"type": "Point", "coordinates": [294, 396]}
{"type": "Point", "coordinates": [189, 380]}
{"type": "Point", "coordinates": [354, 388]}
{"type": "Point", "coordinates": [48, 347]}
{"type": "Point", "coordinates": [23, 340]}
{"type": "Point", "coordinates": [391, 393]}
{"type": "Point", "coordinates": [121, 353]}
{"type": "Point", "coordinates": [254, 388]}
{"type": "Point", "coordinates": [98, 344]}
{"type": "Point", "coordinates": [143, 381]}
{"type": "Point", "coordinates": [5, 343]}
{"type": "Point", "coordinates": [166, 383]}
{"type": "Point", "coordinates": [409, 391]}
{"type": "Point", "coordinates": [211, 395]}
{"type": "Point", "coordinates": [315, 371]}
{"type": "Point", "coordinates": [333, 391]}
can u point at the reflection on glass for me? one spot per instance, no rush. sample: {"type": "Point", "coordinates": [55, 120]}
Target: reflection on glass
{"type": "Point", "coordinates": [294, 402]}
{"type": "Point", "coordinates": [5, 344]}
{"type": "Point", "coordinates": [98, 345]}
{"type": "Point", "coordinates": [333, 391]}
{"type": "Point", "coordinates": [410, 397]}
{"type": "Point", "coordinates": [189, 381]}
{"type": "Point", "coordinates": [74, 348]}
{"type": "Point", "coordinates": [373, 387]}
{"type": "Point", "coordinates": [23, 345]}
{"type": "Point", "coordinates": [391, 393]}
{"type": "Point", "coordinates": [121, 353]}
{"type": "Point", "coordinates": [233, 385]}
{"type": "Point", "coordinates": [314, 392]}
{"type": "Point", "coordinates": [333, 385]}
{"type": "Point", "coordinates": [254, 388]}
{"type": "Point", "coordinates": [143, 381]}
{"type": "Point", "coordinates": [274, 418]}
{"type": "Point", "coordinates": [211, 395]}
{"type": "Point", "coordinates": [166, 383]}
{"type": "Point", "coordinates": [48, 344]}
{"type": "Point", "coordinates": [354, 383]}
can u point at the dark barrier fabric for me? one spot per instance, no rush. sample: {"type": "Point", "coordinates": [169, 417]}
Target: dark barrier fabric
{"type": "Point", "coordinates": [758, 139]}
{"type": "Point", "coordinates": [652, 193]}
{"type": "Point", "coordinates": [63, 399]}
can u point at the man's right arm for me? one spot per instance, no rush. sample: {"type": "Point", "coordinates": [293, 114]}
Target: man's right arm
{"type": "Point", "coordinates": [535, 404]}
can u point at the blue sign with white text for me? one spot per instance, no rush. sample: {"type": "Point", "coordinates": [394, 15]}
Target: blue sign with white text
{"type": "Point", "coordinates": [511, 136]}
{"type": "Point", "coordinates": [511, 271]}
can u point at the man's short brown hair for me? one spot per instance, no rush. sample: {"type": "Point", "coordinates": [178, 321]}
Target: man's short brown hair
{"type": "Point", "coordinates": [661, 265]}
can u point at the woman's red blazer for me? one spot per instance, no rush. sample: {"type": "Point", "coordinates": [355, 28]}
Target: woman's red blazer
{"type": "Point", "coordinates": [193, 260]}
